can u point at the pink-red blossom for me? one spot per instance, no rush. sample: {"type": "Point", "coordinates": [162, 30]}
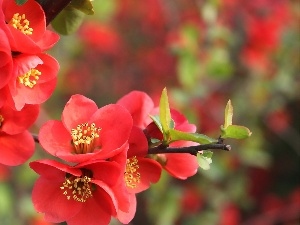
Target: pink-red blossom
{"type": "Point", "coordinates": [87, 132]}
{"type": "Point", "coordinates": [26, 25]}
{"type": "Point", "coordinates": [82, 194]}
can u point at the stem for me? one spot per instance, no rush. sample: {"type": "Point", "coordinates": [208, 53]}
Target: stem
{"type": "Point", "coordinates": [165, 149]}
{"type": "Point", "coordinates": [52, 8]}
{"type": "Point", "coordinates": [191, 149]}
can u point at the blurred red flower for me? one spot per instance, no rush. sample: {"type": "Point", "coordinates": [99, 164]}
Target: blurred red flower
{"type": "Point", "coordinates": [100, 37]}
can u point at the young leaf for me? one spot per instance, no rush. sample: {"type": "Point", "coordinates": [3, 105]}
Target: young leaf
{"type": "Point", "coordinates": [236, 132]}
{"type": "Point", "coordinates": [84, 6]}
{"type": "Point", "coordinates": [164, 113]}
{"type": "Point", "coordinates": [203, 162]}
{"type": "Point", "coordinates": [207, 154]}
{"type": "Point", "coordinates": [228, 114]}
{"type": "Point", "coordinates": [156, 120]}
{"type": "Point", "coordinates": [176, 135]}
{"type": "Point", "coordinates": [20, 2]}
{"type": "Point", "coordinates": [68, 20]}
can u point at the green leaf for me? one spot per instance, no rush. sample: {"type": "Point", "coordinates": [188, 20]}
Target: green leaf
{"type": "Point", "coordinates": [207, 154]}
{"type": "Point", "coordinates": [20, 2]}
{"type": "Point", "coordinates": [236, 132]}
{"type": "Point", "coordinates": [177, 135]}
{"type": "Point", "coordinates": [203, 162]}
{"type": "Point", "coordinates": [228, 114]}
{"type": "Point", "coordinates": [68, 20]}
{"type": "Point", "coordinates": [156, 120]}
{"type": "Point", "coordinates": [164, 113]}
{"type": "Point", "coordinates": [84, 6]}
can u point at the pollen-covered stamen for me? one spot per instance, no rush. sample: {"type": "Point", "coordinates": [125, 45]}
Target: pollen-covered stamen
{"type": "Point", "coordinates": [78, 188]}
{"type": "Point", "coordinates": [84, 138]}
{"type": "Point", "coordinates": [1, 120]}
{"type": "Point", "coordinates": [30, 78]}
{"type": "Point", "coordinates": [131, 176]}
{"type": "Point", "coordinates": [21, 23]}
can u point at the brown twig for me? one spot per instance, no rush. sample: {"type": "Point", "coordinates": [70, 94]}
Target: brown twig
{"type": "Point", "coordinates": [191, 149]}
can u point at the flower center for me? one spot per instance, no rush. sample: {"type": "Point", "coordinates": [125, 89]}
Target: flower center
{"type": "Point", "coordinates": [78, 187]}
{"type": "Point", "coordinates": [84, 137]}
{"type": "Point", "coordinates": [131, 176]}
{"type": "Point", "coordinates": [20, 22]}
{"type": "Point", "coordinates": [1, 120]}
{"type": "Point", "coordinates": [30, 78]}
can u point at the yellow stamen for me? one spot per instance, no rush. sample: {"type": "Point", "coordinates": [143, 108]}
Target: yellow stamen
{"type": "Point", "coordinates": [131, 176]}
{"type": "Point", "coordinates": [30, 78]}
{"type": "Point", "coordinates": [20, 22]}
{"type": "Point", "coordinates": [1, 120]}
{"type": "Point", "coordinates": [84, 137]}
{"type": "Point", "coordinates": [77, 187]}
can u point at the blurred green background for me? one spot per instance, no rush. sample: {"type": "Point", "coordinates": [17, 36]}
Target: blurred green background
{"type": "Point", "coordinates": [204, 52]}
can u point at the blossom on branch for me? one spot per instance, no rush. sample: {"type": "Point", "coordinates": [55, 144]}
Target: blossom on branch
{"type": "Point", "coordinates": [35, 78]}
{"type": "Point", "coordinates": [81, 194]}
{"type": "Point", "coordinates": [141, 106]}
{"type": "Point", "coordinates": [27, 27]}
{"type": "Point", "coordinates": [87, 132]}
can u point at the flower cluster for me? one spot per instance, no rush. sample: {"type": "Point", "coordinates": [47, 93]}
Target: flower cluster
{"type": "Point", "coordinates": [28, 76]}
{"type": "Point", "coordinates": [106, 160]}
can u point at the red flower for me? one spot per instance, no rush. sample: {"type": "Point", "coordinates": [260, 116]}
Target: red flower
{"type": "Point", "coordinates": [78, 195]}
{"type": "Point", "coordinates": [139, 173]}
{"type": "Point", "coordinates": [87, 132]}
{"type": "Point", "coordinates": [16, 149]}
{"type": "Point", "coordinates": [27, 27]}
{"type": "Point", "coordinates": [140, 105]}
{"type": "Point", "coordinates": [34, 80]}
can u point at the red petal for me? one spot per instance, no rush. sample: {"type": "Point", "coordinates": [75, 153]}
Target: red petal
{"type": "Point", "coordinates": [78, 110]}
{"type": "Point", "coordinates": [18, 121]}
{"type": "Point", "coordinates": [55, 139]}
{"type": "Point", "coordinates": [107, 172]}
{"type": "Point", "coordinates": [94, 212]}
{"type": "Point", "coordinates": [48, 40]}
{"type": "Point", "coordinates": [139, 104]}
{"type": "Point", "coordinates": [116, 124]}
{"type": "Point", "coordinates": [126, 217]}
{"type": "Point", "coordinates": [16, 149]}
{"type": "Point", "coordinates": [48, 198]}
{"type": "Point", "coordinates": [106, 196]}
{"type": "Point", "coordinates": [138, 143]}
{"type": "Point", "coordinates": [53, 170]}
{"type": "Point", "coordinates": [36, 95]}
{"type": "Point", "coordinates": [181, 165]}
{"type": "Point", "coordinates": [150, 171]}
{"type": "Point", "coordinates": [5, 59]}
